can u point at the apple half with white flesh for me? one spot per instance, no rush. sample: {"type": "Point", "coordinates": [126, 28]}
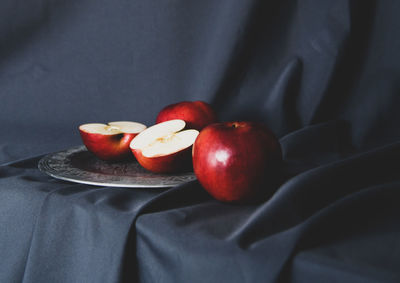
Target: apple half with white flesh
{"type": "Point", "coordinates": [110, 142]}
{"type": "Point", "coordinates": [164, 147]}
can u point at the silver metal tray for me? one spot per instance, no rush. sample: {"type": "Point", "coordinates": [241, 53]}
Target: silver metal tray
{"type": "Point", "coordinates": [80, 166]}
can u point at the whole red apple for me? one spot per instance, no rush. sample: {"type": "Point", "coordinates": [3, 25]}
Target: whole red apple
{"type": "Point", "coordinates": [196, 114]}
{"type": "Point", "coordinates": [110, 142]}
{"type": "Point", "coordinates": [234, 160]}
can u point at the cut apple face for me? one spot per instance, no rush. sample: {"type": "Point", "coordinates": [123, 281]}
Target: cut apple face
{"type": "Point", "coordinates": [164, 147]}
{"type": "Point", "coordinates": [113, 128]}
{"type": "Point", "coordinates": [110, 142]}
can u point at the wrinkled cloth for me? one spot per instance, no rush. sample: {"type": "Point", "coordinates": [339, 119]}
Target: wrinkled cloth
{"type": "Point", "coordinates": [323, 75]}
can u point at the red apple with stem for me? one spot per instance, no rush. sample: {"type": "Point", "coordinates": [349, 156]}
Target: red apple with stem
{"type": "Point", "coordinates": [164, 147]}
{"type": "Point", "coordinates": [196, 114]}
{"type": "Point", "coordinates": [110, 142]}
{"type": "Point", "coordinates": [234, 161]}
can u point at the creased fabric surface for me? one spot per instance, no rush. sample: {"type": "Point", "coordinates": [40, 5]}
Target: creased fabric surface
{"type": "Point", "coordinates": [323, 75]}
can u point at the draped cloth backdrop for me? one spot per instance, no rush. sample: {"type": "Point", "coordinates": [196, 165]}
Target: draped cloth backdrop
{"type": "Point", "coordinates": [323, 75]}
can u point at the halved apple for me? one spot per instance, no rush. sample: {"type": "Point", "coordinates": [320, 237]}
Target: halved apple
{"type": "Point", "coordinates": [110, 142]}
{"type": "Point", "coordinates": [164, 147]}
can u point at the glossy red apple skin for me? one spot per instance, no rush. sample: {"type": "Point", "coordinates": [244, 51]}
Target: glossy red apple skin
{"type": "Point", "coordinates": [108, 147]}
{"type": "Point", "coordinates": [180, 161]}
{"type": "Point", "coordinates": [196, 114]}
{"type": "Point", "coordinates": [234, 161]}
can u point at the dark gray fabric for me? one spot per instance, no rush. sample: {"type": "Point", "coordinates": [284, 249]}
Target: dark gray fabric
{"type": "Point", "coordinates": [323, 75]}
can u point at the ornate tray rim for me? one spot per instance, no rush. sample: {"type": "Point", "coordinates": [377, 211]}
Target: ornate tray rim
{"type": "Point", "coordinates": [57, 166]}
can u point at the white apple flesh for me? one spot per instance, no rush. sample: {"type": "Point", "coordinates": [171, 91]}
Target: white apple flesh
{"type": "Point", "coordinates": [110, 142]}
{"type": "Point", "coordinates": [164, 147]}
